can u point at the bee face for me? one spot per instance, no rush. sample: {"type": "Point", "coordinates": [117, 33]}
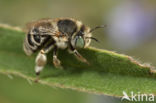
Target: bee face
{"type": "Point", "coordinates": [82, 38]}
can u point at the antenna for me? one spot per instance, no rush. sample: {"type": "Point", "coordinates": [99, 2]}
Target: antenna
{"type": "Point", "coordinates": [97, 27]}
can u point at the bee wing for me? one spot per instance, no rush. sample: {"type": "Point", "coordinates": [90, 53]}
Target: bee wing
{"type": "Point", "coordinates": [48, 31]}
{"type": "Point", "coordinates": [42, 22]}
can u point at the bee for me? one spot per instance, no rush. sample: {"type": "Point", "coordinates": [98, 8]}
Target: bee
{"type": "Point", "coordinates": [60, 33]}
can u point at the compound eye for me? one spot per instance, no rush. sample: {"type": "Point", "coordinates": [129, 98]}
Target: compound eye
{"type": "Point", "coordinates": [37, 38]}
{"type": "Point", "coordinates": [79, 42]}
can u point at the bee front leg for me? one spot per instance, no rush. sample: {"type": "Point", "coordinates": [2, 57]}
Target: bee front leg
{"type": "Point", "coordinates": [78, 55]}
{"type": "Point", "coordinates": [56, 61]}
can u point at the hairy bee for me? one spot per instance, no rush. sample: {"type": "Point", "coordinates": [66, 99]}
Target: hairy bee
{"type": "Point", "coordinates": [60, 33]}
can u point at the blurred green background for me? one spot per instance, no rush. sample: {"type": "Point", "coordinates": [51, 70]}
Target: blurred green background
{"type": "Point", "coordinates": [131, 24]}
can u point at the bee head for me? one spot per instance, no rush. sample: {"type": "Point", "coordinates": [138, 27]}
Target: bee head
{"type": "Point", "coordinates": [83, 37]}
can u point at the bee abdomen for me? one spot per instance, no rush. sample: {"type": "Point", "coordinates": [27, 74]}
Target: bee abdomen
{"type": "Point", "coordinates": [33, 43]}
{"type": "Point", "coordinates": [27, 50]}
{"type": "Point", "coordinates": [29, 45]}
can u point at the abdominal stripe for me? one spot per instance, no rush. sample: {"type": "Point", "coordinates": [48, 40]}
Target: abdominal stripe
{"type": "Point", "coordinates": [30, 40]}
{"type": "Point", "coordinates": [33, 45]}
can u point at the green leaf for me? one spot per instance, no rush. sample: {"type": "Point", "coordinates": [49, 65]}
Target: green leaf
{"type": "Point", "coordinates": [19, 90]}
{"type": "Point", "coordinates": [109, 73]}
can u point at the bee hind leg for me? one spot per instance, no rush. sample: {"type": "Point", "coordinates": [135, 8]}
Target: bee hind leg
{"type": "Point", "coordinates": [40, 61]}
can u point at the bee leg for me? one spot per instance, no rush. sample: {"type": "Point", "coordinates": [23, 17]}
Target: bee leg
{"type": "Point", "coordinates": [78, 55]}
{"type": "Point", "coordinates": [41, 60]}
{"type": "Point", "coordinates": [56, 61]}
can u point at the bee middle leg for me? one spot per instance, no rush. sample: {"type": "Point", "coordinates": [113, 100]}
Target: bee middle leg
{"type": "Point", "coordinates": [56, 61]}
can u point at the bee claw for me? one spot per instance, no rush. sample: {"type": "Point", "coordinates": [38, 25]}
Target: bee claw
{"type": "Point", "coordinates": [60, 67]}
{"type": "Point", "coordinates": [87, 63]}
{"type": "Point", "coordinates": [36, 80]}
{"type": "Point", "coordinates": [57, 63]}
{"type": "Point", "coordinates": [83, 60]}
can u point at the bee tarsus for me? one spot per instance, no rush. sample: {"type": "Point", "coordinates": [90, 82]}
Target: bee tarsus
{"type": "Point", "coordinates": [56, 61]}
